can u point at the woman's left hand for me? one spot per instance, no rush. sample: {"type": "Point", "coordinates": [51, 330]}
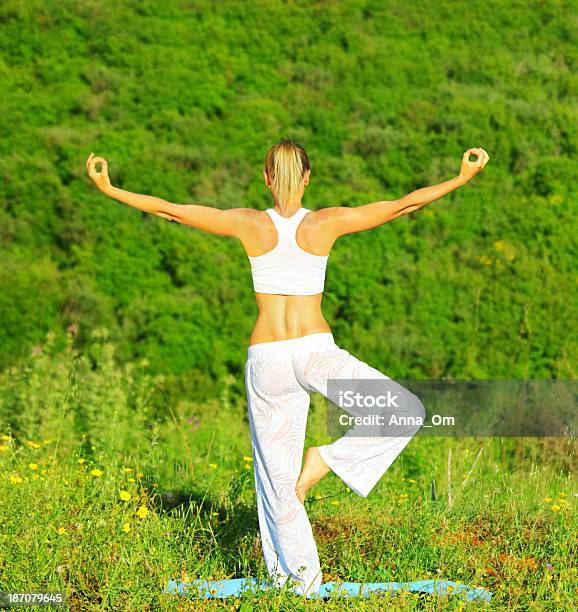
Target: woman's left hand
{"type": "Point", "coordinates": [469, 169]}
{"type": "Point", "coordinates": [100, 179]}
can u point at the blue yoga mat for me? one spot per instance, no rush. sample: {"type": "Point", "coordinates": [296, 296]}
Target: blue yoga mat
{"type": "Point", "coordinates": [205, 589]}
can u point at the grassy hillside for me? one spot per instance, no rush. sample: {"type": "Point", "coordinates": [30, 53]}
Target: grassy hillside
{"type": "Point", "coordinates": [184, 98]}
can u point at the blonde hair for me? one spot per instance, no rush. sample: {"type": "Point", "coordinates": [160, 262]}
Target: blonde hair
{"type": "Point", "coordinates": [286, 163]}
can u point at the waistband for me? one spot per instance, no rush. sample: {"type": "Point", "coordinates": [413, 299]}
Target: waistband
{"type": "Point", "coordinates": [303, 344]}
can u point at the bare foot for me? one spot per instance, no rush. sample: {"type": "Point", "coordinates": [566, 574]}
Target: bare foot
{"type": "Point", "coordinates": [313, 471]}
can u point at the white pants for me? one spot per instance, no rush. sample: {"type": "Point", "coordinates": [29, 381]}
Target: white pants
{"type": "Point", "coordinates": [279, 377]}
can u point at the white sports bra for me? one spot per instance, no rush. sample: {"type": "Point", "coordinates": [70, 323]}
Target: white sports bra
{"type": "Point", "coordinates": [287, 269]}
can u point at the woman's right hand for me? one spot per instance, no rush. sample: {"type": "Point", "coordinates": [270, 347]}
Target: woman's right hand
{"type": "Point", "coordinates": [469, 168]}
{"type": "Point", "coordinates": [100, 179]}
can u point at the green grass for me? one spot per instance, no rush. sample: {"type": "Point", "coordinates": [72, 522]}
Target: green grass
{"type": "Point", "coordinates": [65, 528]}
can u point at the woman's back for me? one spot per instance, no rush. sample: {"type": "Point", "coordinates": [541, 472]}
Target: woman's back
{"type": "Point", "coordinates": [288, 257]}
{"type": "Point", "coordinates": [288, 268]}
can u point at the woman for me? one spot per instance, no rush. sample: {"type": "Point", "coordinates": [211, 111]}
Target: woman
{"type": "Point", "coordinates": [291, 349]}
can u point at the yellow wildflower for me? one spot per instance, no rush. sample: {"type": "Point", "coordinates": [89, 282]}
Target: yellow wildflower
{"type": "Point", "coordinates": [61, 530]}
{"type": "Point", "coordinates": [562, 494]}
{"type": "Point", "coordinates": [33, 444]}
{"type": "Point", "coordinates": [131, 480]}
{"type": "Point", "coordinates": [126, 470]}
{"type": "Point", "coordinates": [247, 458]}
{"type": "Point", "coordinates": [212, 465]}
{"type": "Point", "coordinates": [555, 508]}
{"type": "Point", "coordinates": [548, 500]}
{"type": "Point", "coordinates": [484, 259]}
{"type": "Point", "coordinates": [335, 502]}
{"type": "Point", "coordinates": [96, 472]}
{"type": "Point", "coordinates": [140, 475]}
{"type": "Point", "coordinates": [45, 441]}
{"type": "Point", "coordinates": [15, 479]}
{"type": "Point", "coordinates": [562, 502]}
{"type": "Point", "coordinates": [7, 437]}
{"type": "Point", "coordinates": [3, 448]}
{"type": "Point", "coordinates": [125, 495]}
{"type": "Point", "coordinates": [126, 527]}
{"type": "Point", "coordinates": [81, 461]}
{"type": "Point", "coordinates": [142, 512]}
{"type": "Point", "coordinates": [35, 476]}
{"type": "Point", "coordinates": [412, 480]}
{"type": "Point", "coordinates": [507, 249]}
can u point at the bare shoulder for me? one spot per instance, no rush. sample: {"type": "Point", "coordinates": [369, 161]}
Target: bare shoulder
{"type": "Point", "coordinates": [249, 223]}
{"type": "Point", "coordinates": [320, 229]}
{"type": "Point", "coordinates": [245, 217]}
{"type": "Point", "coordinates": [243, 213]}
{"type": "Point", "coordinates": [328, 217]}
{"type": "Point", "coordinates": [254, 229]}
{"type": "Point", "coordinates": [329, 212]}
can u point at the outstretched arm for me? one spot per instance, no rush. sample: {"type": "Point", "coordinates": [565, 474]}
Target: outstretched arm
{"type": "Point", "coordinates": [347, 220]}
{"type": "Point", "coordinates": [207, 218]}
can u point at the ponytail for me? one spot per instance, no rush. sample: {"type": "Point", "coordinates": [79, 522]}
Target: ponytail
{"type": "Point", "coordinates": [286, 164]}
